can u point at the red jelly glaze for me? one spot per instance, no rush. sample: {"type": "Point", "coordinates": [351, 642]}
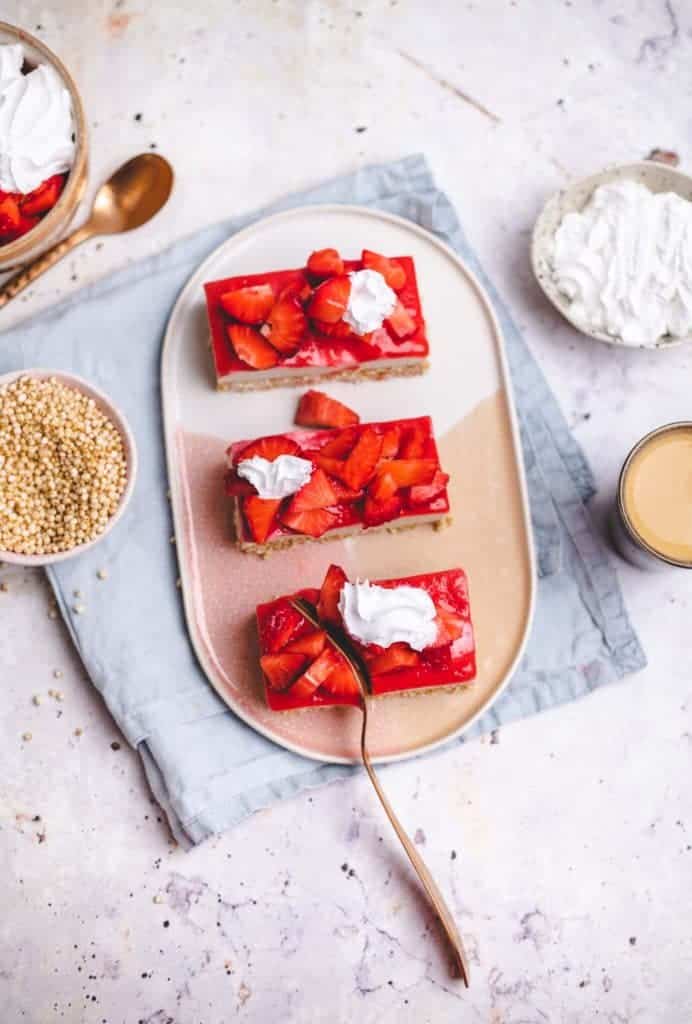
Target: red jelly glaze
{"type": "Point", "coordinates": [453, 664]}
{"type": "Point", "coordinates": [317, 350]}
{"type": "Point", "coordinates": [351, 513]}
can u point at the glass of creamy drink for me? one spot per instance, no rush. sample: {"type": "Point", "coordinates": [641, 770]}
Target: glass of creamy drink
{"type": "Point", "coordinates": [652, 524]}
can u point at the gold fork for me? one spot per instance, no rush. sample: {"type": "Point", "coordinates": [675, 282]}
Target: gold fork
{"type": "Point", "coordinates": [435, 897]}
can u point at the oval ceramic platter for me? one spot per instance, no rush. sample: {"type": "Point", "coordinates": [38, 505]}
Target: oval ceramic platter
{"type": "Point", "coordinates": [466, 392]}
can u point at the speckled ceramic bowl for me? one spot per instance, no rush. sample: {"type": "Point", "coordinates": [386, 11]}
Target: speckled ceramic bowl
{"type": "Point", "coordinates": [119, 421]}
{"type": "Point", "coordinates": [657, 177]}
{"type": "Point", "coordinates": [53, 225]}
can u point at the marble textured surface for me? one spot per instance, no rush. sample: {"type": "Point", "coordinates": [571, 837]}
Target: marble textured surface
{"type": "Point", "coordinates": [565, 844]}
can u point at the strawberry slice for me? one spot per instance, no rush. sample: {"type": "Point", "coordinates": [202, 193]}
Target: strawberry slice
{"type": "Point", "coordinates": [328, 604]}
{"type": "Point", "coordinates": [329, 301]}
{"type": "Point", "coordinates": [340, 680]}
{"type": "Point", "coordinates": [298, 289]}
{"type": "Point", "coordinates": [249, 345]}
{"type": "Point", "coordinates": [393, 273]}
{"type": "Point", "coordinates": [44, 197]}
{"type": "Point", "coordinates": [341, 444]}
{"type": "Point", "coordinates": [314, 522]}
{"type": "Point", "coordinates": [316, 409]}
{"type": "Point", "coordinates": [281, 669]}
{"type": "Point", "coordinates": [251, 304]}
{"type": "Point", "coordinates": [413, 443]}
{"type": "Point", "coordinates": [360, 465]}
{"type": "Point", "coordinates": [421, 494]}
{"type": "Point", "coordinates": [286, 326]}
{"type": "Point", "coordinates": [260, 515]}
{"type": "Point", "coordinates": [315, 674]}
{"type": "Point", "coordinates": [269, 448]}
{"type": "Point", "coordinates": [344, 495]}
{"type": "Point", "coordinates": [450, 627]}
{"type": "Point", "coordinates": [280, 626]}
{"type": "Point", "coordinates": [400, 322]}
{"type": "Point", "coordinates": [316, 493]}
{"type": "Point", "coordinates": [396, 656]}
{"type": "Point", "coordinates": [236, 487]}
{"type": "Point", "coordinates": [390, 443]}
{"type": "Point", "coordinates": [338, 330]}
{"type": "Point", "coordinates": [332, 466]}
{"type": "Point", "coordinates": [10, 215]}
{"type": "Point", "coordinates": [375, 513]}
{"type": "Point", "coordinates": [312, 644]}
{"type": "Point", "coordinates": [383, 487]}
{"type": "Point", "coordinates": [325, 263]}
{"type": "Point", "coordinates": [407, 472]}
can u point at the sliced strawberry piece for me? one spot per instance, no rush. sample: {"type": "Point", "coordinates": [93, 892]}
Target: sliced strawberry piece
{"type": "Point", "coordinates": [236, 487]}
{"type": "Point", "coordinates": [408, 472]}
{"type": "Point", "coordinates": [393, 273]}
{"type": "Point", "coordinates": [341, 444]}
{"type": "Point", "coordinates": [251, 304]}
{"type": "Point", "coordinates": [413, 443]}
{"type": "Point", "coordinates": [25, 224]}
{"type": "Point", "coordinates": [338, 330]}
{"type": "Point", "coordinates": [332, 466]}
{"type": "Point", "coordinates": [316, 409]}
{"type": "Point", "coordinates": [396, 656]}
{"type": "Point", "coordinates": [340, 680]}
{"type": "Point", "coordinates": [328, 604]}
{"type": "Point", "coordinates": [314, 522]}
{"type": "Point", "coordinates": [249, 345]}
{"type": "Point", "coordinates": [269, 448]}
{"type": "Point", "coordinates": [383, 487]}
{"type": "Point", "coordinates": [10, 215]}
{"type": "Point", "coordinates": [344, 494]}
{"type": "Point", "coordinates": [298, 289]}
{"type": "Point", "coordinates": [450, 627]}
{"type": "Point", "coordinates": [325, 263]}
{"type": "Point", "coordinates": [421, 494]}
{"type": "Point", "coordinates": [279, 626]}
{"type": "Point", "coordinates": [316, 493]}
{"type": "Point", "coordinates": [312, 644]}
{"type": "Point", "coordinates": [360, 465]}
{"type": "Point", "coordinates": [281, 669]}
{"type": "Point", "coordinates": [44, 197]}
{"type": "Point", "coordinates": [400, 322]}
{"type": "Point", "coordinates": [286, 326]}
{"type": "Point", "coordinates": [329, 301]}
{"type": "Point", "coordinates": [315, 674]}
{"type": "Point", "coordinates": [375, 513]}
{"type": "Point", "coordinates": [390, 443]}
{"type": "Point", "coordinates": [260, 515]}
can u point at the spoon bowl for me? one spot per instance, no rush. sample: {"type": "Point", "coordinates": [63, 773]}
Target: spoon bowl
{"type": "Point", "coordinates": [132, 195]}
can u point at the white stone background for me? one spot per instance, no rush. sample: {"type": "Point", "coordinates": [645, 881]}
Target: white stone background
{"type": "Point", "coordinates": [572, 879]}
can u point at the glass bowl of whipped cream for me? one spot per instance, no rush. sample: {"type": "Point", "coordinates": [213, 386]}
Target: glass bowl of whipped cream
{"type": "Point", "coordinates": [613, 253]}
{"type": "Point", "coordinates": [43, 147]}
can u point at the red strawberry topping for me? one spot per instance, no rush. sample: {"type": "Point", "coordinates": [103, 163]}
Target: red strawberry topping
{"type": "Point", "coordinates": [397, 655]}
{"type": "Point", "coordinates": [360, 465]}
{"type": "Point", "coordinates": [375, 513]}
{"type": "Point", "coordinates": [400, 322]}
{"type": "Point", "coordinates": [421, 494]}
{"type": "Point", "coordinates": [413, 443]}
{"type": "Point", "coordinates": [10, 216]}
{"type": "Point", "coordinates": [269, 448]}
{"type": "Point", "coordinates": [328, 604]}
{"type": "Point", "coordinates": [315, 674]}
{"type": "Point", "coordinates": [249, 345]}
{"type": "Point", "coordinates": [44, 197]}
{"type": "Point", "coordinates": [314, 522]}
{"type": "Point", "coordinates": [340, 681]}
{"type": "Point", "coordinates": [260, 515]}
{"type": "Point", "coordinates": [251, 304]}
{"type": "Point", "coordinates": [236, 487]}
{"type": "Point", "coordinates": [312, 644]}
{"type": "Point", "coordinates": [325, 263]}
{"type": "Point", "coordinates": [329, 301]}
{"type": "Point", "coordinates": [280, 626]}
{"type": "Point", "coordinates": [404, 473]}
{"type": "Point", "coordinates": [316, 409]}
{"type": "Point", "coordinates": [316, 493]}
{"type": "Point", "coordinates": [282, 669]}
{"type": "Point", "coordinates": [393, 273]}
{"type": "Point", "coordinates": [341, 444]}
{"type": "Point", "coordinates": [286, 326]}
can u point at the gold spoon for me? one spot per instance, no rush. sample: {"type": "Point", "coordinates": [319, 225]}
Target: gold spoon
{"type": "Point", "coordinates": [130, 197]}
{"type": "Point", "coordinates": [434, 895]}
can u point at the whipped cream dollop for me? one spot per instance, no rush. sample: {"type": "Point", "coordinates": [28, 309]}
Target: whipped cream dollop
{"type": "Point", "coordinates": [388, 615]}
{"type": "Point", "coordinates": [370, 302]}
{"type": "Point", "coordinates": [35, 123]}
{"type": "Point", "coordinates": [625, 263]}
{"type": "Point", "coordinates": [277, 479]}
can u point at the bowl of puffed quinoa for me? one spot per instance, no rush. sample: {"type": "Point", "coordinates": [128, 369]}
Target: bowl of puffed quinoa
{"type": "Point", "coordinates": [68, 464]}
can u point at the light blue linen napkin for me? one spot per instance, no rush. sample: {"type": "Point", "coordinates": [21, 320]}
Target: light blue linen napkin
{"type": "Point", "coordinates": [206, 767]}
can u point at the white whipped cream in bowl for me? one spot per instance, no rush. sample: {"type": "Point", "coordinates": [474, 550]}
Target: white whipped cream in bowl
{"type": "Point", "coordinates": [280, 478]}
{"type": "Point", "coordinates": [613, 253]}
{"type": "Point", "coordinates": [370, 302]}
{"type": "Point", "coordinates": [42, 132]}
{"type": "Point", "coordinates": [388, 615]}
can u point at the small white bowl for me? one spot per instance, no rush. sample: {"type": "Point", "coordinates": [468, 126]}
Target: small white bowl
{"type": "Point", "coordinates": [119, 421]}
{"type": "Point", "coordinates": [657, 177]}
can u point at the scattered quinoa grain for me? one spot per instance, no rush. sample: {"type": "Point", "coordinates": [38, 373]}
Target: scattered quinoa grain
{"type": "Point", "coordinates": [102, 574]}
{"type": "Point", "coordinates": [57, 673]}
{"type": "Point", "coordinates": [78, 609]}
{"type": "Point", "coordinates": [4, 587]}
{"type": "Point", "coordinates": [76, 593]}
{"type": "Point", "coordinates": [159, 898]}
{"type": "Point", "coordinates": [26, 736]}
{"type": "Point", "coordinates": [52, 693]}
{"type": "Point", "coordinates": [78, 731]}
{"type": "Point", "coordinates": [59, 695]}
{"type": "Point", "coordinates": [36, 699]}
{"type": "Point", "coordinates": [52, 614]}
{"type": "Point", "coordinates": [62, 467]}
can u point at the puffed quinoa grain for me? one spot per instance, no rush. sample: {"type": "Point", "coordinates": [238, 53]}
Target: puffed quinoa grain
{"type": "Point", "coordinates": [62, 467]}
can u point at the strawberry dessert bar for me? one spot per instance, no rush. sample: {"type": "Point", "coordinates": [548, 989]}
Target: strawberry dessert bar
{"type": "Point", "coordinates": [334, 482]}
{"type": "Point", "coordinates": [411, 634]}
{"type": "Point", "coordinates": [351, 319]}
